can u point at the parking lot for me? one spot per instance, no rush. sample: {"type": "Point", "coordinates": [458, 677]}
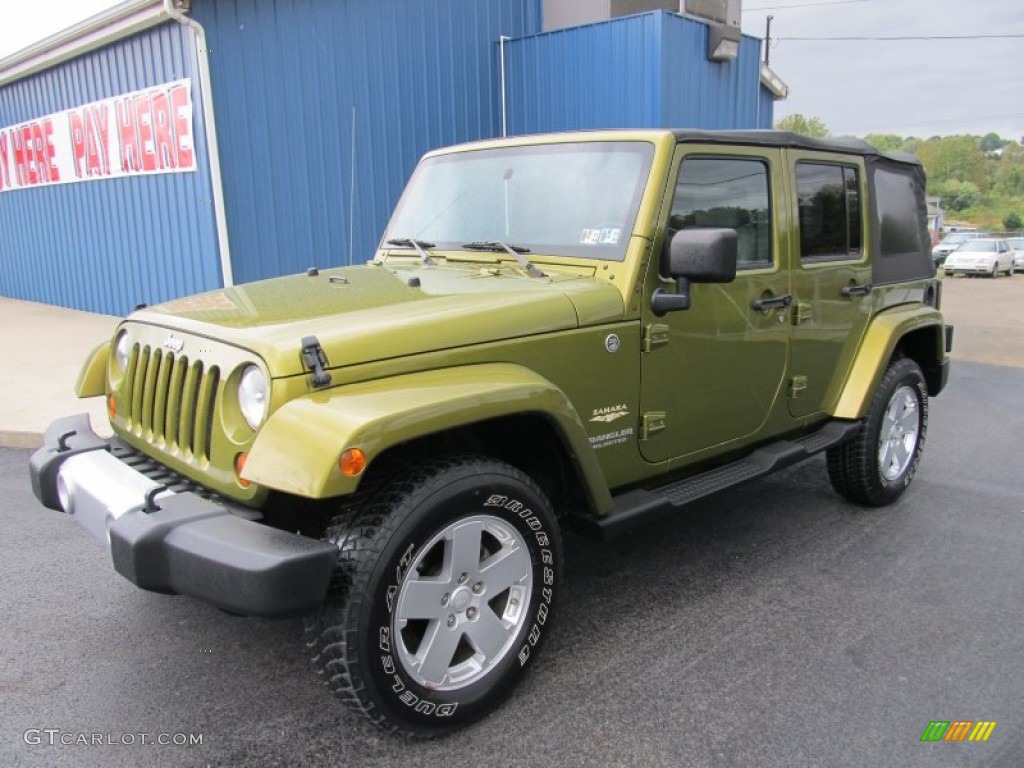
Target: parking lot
{"type": "Point", "coordinates": [773, 625]}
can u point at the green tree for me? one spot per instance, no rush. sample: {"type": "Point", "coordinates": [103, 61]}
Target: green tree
{"type": "Point", "coordinates": [887, 142]}
{"type": "Point", "coordinates": [990, 142]}
{"type": "Point", "coordinates": [949, 158]}
{"type": "Point", "coordinates": [1008, 178]}
{"type": "Point", "coordinates": [797, 123]}
{"type": "Point", "coordinates": [1013, 222]}
{"type": "Point", "coordinates": [958, 195]}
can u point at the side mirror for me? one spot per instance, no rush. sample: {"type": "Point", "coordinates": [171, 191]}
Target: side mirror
{"type": "Point", "coordinates": [695, 256]}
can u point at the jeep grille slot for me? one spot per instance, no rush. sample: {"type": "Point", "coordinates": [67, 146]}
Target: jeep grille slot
{"type": "Point", "coordinates": [172, 402]}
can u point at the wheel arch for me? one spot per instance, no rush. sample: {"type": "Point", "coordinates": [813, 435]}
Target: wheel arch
{"type": "Point", "coordinates": [914, 332]}
{"type": "Point", "coordinates": [502, 410]}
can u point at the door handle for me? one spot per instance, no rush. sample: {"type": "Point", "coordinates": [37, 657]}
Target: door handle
{"type": "Point", "coordinates": [850, 291]}
{"type": "Point", "coordinates": [772, 302]}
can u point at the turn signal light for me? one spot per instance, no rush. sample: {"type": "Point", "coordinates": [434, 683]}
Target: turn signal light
{"type": "Point", "coordinates": [352, 462]}
{"type": "Point", "coordinates": [111, 407]}
{"type": "Point", "coordinates": [239, 466]}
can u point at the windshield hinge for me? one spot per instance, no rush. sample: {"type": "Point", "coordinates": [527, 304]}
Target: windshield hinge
{"type": "Point", "coordinates": [314, 359]}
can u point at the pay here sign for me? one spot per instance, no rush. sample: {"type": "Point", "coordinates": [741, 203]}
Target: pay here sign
{"type": "Point", "coordinates": [143, 132]}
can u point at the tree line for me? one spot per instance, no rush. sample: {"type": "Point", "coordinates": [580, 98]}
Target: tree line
{"type": "Point", "coordinates": [979, 179]}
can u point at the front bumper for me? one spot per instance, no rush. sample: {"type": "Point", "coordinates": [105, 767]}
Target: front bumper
{"type": "Point", "coordinates": [972, 269]}
{"type": "Point", "coordinates": [177, 542]}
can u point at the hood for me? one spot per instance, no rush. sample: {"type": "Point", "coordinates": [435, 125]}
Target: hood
{"type": "Point", "coordinates": [375, 312]}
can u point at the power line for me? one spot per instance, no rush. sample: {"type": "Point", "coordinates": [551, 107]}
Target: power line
{"type": "Point", "coordinates": [869, 38]}
{"type": "Point", "coordinates": [803, 5]}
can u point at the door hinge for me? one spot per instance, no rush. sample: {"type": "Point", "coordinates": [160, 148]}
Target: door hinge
{"type": "Point", "coordinates": [802, 312]}
{"type": "Point", "coordinates": [653, 421]}
{"type": "Point", "coordinates": [797, 385]}
{"type": "Point", "coordinates": [655, 335]}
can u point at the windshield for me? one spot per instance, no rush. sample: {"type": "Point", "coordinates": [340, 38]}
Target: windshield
{"type": "Point", "coordinates": [953, 239]}
{"type": "Point", "coordinates": [980, 246]}
{"type": "Point", "coordinates": [1017, 243]}
{"type": "Point", "coordinates": [577, 199]}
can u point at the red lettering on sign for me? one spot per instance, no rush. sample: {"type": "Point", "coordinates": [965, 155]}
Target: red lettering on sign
{"type": "Point", "coordinates": [51, 151]}
{"type": "Point", "coordinates": [39, 154]}
{"type": "Point", "coordinates": [93, 153]}
{"type": "Point", "coordinates": [5, 177]}
{"type": "Point", "coordinates": [182, 126]}
{"type": "Point", "coordinates": [162, 130]}
{"type": "Point", "coordinates": [23, 156]}
{"type": "Point", "coordinates": [144, 123]}
{"type": "Point", "coordinates": [131, 152]}
{"type": "Point", "coordinates": [77, 130]}
{"type": "Point", "coordinates": [100, 127]}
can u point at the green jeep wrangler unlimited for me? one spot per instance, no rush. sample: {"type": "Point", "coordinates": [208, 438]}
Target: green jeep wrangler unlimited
{"type": "Point", "coordinates": [583, 329]}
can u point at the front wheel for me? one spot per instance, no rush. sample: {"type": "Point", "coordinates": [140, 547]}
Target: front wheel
{"type": "Point", "coordinates": [877, 465]}
{"type": "Point", "coordinates": [443, 593]}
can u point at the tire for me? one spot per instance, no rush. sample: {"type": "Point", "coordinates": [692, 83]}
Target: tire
{"type": "Point", "coordinates": [876, 466]}
{"type": "Point", "coordinates": [995, 271]}
{"type": "Point", "coordinates": [418, 632]}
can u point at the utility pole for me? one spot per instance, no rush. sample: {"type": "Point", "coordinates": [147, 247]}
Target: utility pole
{"type": "Point", "coordinates": [768, 40]}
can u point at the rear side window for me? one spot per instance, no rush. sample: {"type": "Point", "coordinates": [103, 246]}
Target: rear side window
{"type": "Point", "coordinates": [727, 192]}
{"type": "Point", "coordinates": [830, 211]}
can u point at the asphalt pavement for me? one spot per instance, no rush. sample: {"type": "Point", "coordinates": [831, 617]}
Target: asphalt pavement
{"type": "Point", "coordinates": [773, 625]}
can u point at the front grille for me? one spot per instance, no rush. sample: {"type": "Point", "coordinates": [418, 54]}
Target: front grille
{"type": "Point", "coordinates": [171, 401]}
{"type": "Point", "coordinates": [174, 481]}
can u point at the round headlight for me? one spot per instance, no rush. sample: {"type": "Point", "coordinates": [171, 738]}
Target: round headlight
{"type": "Point", "coordinates": [122, 351]}
{"type": "Point", "coordinates": [253, 395]}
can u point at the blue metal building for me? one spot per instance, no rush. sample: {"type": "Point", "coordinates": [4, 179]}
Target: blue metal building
{"type": "Point", "coordinates": [305, 119]}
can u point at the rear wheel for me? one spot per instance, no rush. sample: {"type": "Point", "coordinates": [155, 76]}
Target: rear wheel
{"type": "Point", "coordinates": [877, 465]}
{"type": "Point", "coordinates": [443, 593]}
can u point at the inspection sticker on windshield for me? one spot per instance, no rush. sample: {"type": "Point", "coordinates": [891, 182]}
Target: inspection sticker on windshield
{"type": "Point", "coordinates": [590, 236]}
{"type": "Point", "coordinates": [610, 236]}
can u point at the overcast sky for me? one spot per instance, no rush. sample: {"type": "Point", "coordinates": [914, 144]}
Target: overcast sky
{"type": "Point", "coordinates": [910, 87]}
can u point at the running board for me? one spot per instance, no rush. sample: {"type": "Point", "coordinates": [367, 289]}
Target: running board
{"type": "Point", "coordinates": [639, 506]}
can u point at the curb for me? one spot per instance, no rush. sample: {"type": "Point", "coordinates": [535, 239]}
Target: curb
{"type": "Point", "coordinates": [15, 439]}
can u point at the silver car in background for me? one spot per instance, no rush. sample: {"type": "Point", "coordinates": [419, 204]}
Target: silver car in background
{"type": "Point", "coordinates": [1017, 245]}
{"type": "Point", "coordinates": [985, 256]}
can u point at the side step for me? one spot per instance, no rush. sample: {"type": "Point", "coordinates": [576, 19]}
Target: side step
{"type": "Point", "coordinates": [635, 507]}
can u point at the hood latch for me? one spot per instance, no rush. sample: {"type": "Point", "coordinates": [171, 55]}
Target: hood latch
{"type": "Point", "coordinates": [314, 358]}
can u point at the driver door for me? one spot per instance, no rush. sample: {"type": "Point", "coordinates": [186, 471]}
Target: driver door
{"type": "Point", "coordinates": [712, 375]}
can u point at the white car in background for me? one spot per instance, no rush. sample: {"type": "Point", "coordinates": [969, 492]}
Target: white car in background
{"type": "Point", "coordinates": [985, 256]}
{"type": "Point", "coordinates": [1017, 244]}
{"type": "Point", "coordinates": [950, 243]}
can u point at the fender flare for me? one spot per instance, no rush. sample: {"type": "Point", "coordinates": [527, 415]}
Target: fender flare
{"type": "Point", "coordinates": [297, 450]}
{"type": "Point", "coordinates": [92, 379]}
{"type": "Point", "coordinates": [880, 341]}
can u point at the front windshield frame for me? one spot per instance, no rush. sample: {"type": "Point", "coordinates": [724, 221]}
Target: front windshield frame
{"type": "Point", "coordinates": [604, 238]}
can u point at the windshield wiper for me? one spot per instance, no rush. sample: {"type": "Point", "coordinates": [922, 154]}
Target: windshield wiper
{"type": "Point", "coordinates": [419, 246]}
{"type": "Point", "coordinates": [514, 250]}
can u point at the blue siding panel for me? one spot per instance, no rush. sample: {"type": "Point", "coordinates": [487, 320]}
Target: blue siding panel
{"type": "Point", "coordinates": [292, 80]}
{"type": "Point", "coordinates": [603, 75]}
{"type": "Point", "coordinates": [105, 246]}
{"type": "Point", "coordinates": [704, 94]}
{"type": "Point", "coordinates": [645, 71]}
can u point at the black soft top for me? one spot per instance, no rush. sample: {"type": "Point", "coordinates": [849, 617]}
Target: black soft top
{"type": "Point", "coordinates": [763, 138]}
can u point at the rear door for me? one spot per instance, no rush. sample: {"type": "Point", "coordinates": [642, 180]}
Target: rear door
{"type": "Point", "coordinates": [831, 276]}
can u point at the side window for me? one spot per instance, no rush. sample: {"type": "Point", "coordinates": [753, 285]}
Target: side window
{"type": "Point", "coordinates": [830, 211]}
{"type": "Point", "coordinates": [727, 192]}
